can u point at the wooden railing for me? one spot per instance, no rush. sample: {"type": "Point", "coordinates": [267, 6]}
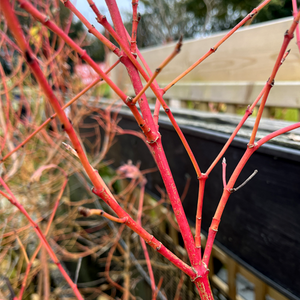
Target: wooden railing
{"type": "Point", "coordinates": [261, 290]}
{"type": "Point", "coordinates": [229, 286]}
{"type": "Point", "coordinates": [233, 76]}
{"type": "Point", "coordinates": [235, 95]}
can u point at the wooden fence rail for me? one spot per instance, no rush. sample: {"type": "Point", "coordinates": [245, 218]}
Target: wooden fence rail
{"type": "Point", "coordinates": [234, 75]}
{"type": "Point", "coordinates": [261, 290]}
{"type": "Point", "coordinates": [229, 286]}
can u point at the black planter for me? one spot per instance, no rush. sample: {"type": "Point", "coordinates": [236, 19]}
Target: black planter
{"type": "Point", "coordinates": [260, 227]}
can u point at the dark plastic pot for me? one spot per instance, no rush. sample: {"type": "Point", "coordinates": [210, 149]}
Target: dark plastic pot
{"type": "Point", "coordinates": [260, 227]}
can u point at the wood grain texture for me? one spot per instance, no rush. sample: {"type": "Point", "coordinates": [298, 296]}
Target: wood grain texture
{"type": "Point", "coordinates": [235, 74]}
{"type": "Point", "coordinates": [248, 55]}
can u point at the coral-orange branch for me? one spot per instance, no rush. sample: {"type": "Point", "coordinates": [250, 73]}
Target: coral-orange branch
{"type": "Point", "coordinates": [127, 53]}
{"type": "Point", "coordinates": [53, 27]}
{"type": "Point", "coordinates": [135, 21]}
{"type": "Point", "coordinates": [156, 144]}
{"type": "Point", "coordinates": [154, 86]}
{"type": "Point", "coordinates": [202, 181]}
{"type": "Point", "coordinates": [86, 212]}
{"type": "Point", "coordinates": [158, 70]}
{"type": "Point", "coordinates": [217, 45]}
{"type": "Point", "coordinates": [151, 135]}
{"type": "Point", "coordinates": [92, 28]}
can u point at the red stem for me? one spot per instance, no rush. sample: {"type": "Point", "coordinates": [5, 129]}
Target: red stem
{"type": "Point", "coordinates": [248, 112]}
{"type": "Point", "coordinates": [202, 181]}
{"type": "Point", "coordinates": [156, 145]}
{"type": "Point", "coordinates": [53, 27]}
{"type": "Point", "coordinates": [121, 37]}
{"type": "Point", "coordinates": [157, 103]}
{"type": "Point", "coordinates": [92, 29]}
{"type": "Point", "coordinates": [135, 22]}
{"type": "Point", "coordinates": [153, 86]}
{"type": "Point", "coordinates": [226, 193]}
{"type": "Point", "coordinates": [117, 20]}
{"type": "Point", "coordinates": [277, 133]}
{"type": "Point", "coordinates": [158, 70]}
{"type": "Point", "coordinates": [295, 10]}
{"type": "Point", "coordinates": [203, 287]}
{"type": "Point", "coordinates": [151, 136]}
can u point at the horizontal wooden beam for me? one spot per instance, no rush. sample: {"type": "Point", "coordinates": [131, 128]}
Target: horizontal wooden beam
{"type": "Point", "coordinates": [248, 55]}
{"type": "Point", "coordinates": [283, 94]}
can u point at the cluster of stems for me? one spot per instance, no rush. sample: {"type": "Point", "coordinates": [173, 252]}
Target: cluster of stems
{"type": "Point", "coordinates": [127, 53]}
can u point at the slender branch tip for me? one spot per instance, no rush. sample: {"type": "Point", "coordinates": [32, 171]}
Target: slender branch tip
{"type": "Point", "coordinates": [245, 182]}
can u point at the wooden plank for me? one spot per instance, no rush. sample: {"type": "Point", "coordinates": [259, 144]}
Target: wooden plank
{"type": "Point", "coordinates": [220, 284]}
{"type": "Point", "coordinates": [235, 74]}
{"type": "Point", "coordinates": [202, 106]}
{"type": "Point", "coordinates": [236, 60]}
{"type": "Point", "coordinates": [283, 94]}
{"type": "Point", "coordinates": [248, 275]}
{"type": "Point", "coordinates": [260, 290]}
{"type": "Point", "coordinates": [274, 294]}
{"type": "Point", "coordinates": [219, 254]}
{"type": "Point", "coordinates": [224, 287]}
{"type": "Point", "coordinates": [259, 285]}
{"type": "Point", "coordinates": [231, 268]}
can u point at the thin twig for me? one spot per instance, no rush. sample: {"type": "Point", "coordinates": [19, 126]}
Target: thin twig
{"type": "Point", "coordinates": [245, 182]}
{"type": "Point", "coordinates": [99, 212]}
{"type": "Point", "coordinates": [158, 70]}
{"type": "Point", "coordinates": [216, 46]}
{"type": "Point", "coordinates": [161, 279]}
